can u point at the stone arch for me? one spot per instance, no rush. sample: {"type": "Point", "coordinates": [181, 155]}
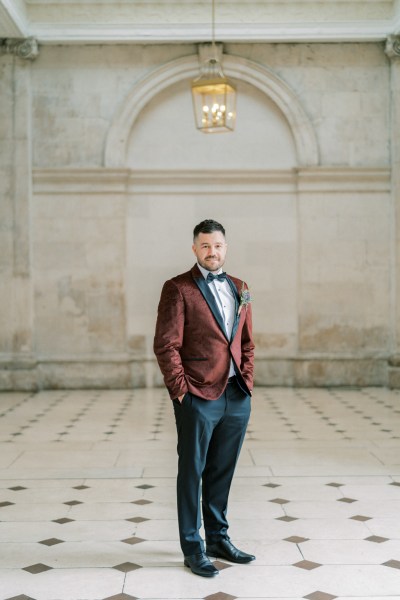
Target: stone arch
{"type": "Point", "coordinates": [188, 67]}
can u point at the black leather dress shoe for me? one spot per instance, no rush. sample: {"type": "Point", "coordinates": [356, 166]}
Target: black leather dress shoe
{"type": "Point", "coordinates": [225, 549]}
{"type": "Point", "coordinates": [201, 565]}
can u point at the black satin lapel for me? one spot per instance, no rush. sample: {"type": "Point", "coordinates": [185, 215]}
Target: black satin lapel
{"type": "Point", "coordinates": [209, 298]}
{"type": "Point", "coordinates": [237, 317]}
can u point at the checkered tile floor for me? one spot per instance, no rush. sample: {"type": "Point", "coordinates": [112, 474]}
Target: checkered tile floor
{"type": "Point", "coordinates": [87, 498]}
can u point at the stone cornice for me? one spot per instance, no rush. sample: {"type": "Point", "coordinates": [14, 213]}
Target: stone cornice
{"type": "Point", "coordinates": [194, 33]}
{"type": "Point", "coordinates": [155, 21]}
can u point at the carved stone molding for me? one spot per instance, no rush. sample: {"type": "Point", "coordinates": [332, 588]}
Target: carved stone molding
{"type": "Point", "coordinates": [105, 181]}
{"type": "Point", "coordinates": [27, 48]}
{"type": "Point", "coordinates": [393, 46]}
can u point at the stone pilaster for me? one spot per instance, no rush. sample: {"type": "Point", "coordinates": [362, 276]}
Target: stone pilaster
{"type": "Point", "coordinates": [16, 335]}
{"type": "Point", "coordinates": [393, 52]}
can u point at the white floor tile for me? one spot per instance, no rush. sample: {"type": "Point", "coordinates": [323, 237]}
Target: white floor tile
{"type": "Point", "coordinates": [115, 442]}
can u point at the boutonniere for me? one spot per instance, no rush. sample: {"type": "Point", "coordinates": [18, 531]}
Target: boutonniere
{"type": "Point", "coordinates": [245, 298]}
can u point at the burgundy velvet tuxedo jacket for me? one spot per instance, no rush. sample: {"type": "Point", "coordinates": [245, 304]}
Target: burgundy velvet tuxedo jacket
{"type": "Point", "coordinates": [191, 343]}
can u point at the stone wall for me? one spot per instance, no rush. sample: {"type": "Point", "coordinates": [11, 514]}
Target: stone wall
{"type": "Point", "coordinates": [104, 177]}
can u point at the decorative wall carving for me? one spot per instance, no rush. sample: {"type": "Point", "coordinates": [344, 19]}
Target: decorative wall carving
{"type": "Point", "coordinates": [393, 46]}
{"type": "Point", "coordinates": [27, 49]}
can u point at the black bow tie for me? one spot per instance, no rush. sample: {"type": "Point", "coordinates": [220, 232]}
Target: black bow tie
{"type": "Point", "coordinates": [220, 277]}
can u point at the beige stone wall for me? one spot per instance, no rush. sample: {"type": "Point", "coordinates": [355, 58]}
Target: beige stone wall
{"type": "Point", "coordinates": [85, 253]}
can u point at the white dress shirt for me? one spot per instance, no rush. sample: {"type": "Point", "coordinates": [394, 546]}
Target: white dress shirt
{"type": "Point", "coordinates": [222, 292]}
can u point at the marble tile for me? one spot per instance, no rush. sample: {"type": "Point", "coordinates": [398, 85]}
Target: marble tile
{"type": "Point", "coordinates": [358, 580]}
{"type": "Point", "coordinates": [349, 552]}
{"type": "Point", "coordinates": [63, 584]}
{"type": "Point", "coordinates": [94, 474]}
{"type": "Point", "coordinates": [64, 458]}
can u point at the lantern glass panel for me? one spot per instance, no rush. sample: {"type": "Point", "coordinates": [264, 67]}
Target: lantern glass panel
{"type": "Point", "coordinates": [214, 103]}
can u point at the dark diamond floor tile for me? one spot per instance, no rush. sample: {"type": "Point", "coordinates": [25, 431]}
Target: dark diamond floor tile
{"type": "Point", "coordinates": [395, 483]}
{"type": "Point", "coordinates": [271, 485]}
{"type": "Point", "coordinates": [4, 504]}
{"type": "Point", "coordinates": [142, 502]}
{"type": "Point", "coordinates": [21, 597]}
{"type": "Point", "coordinates": [36, 569]}
{"type": "Point", "coordinates": [127, 567]}
{"type": "Point", "coordinates": [218, 564]}
{"type": "Point", "coordinates": [280, 501]}
{"type": "Point", "coordinates": [137, 520]}
{"type": "Point", "coordinates": [286, 519]}
{"type": "Point", "coordinates": [295, 539]}
{"type": "Point", "coordinates": [133, 540]}
{"type": "Point", "coordinates": [360, 518]}
{"type": "Point", "coordinates": [63, 521]}
{"type": "Point", "coordinates": [308, 565]}
{"type": "Point", "coordinates": [17, 488]}
{"type": "Point", "coordinates": [394, 564]}
{"type": "Point", "coordinates": [51, 542]}
{"type": "Point", "coordinates": [121, 597]}
{"type": "Point", "coordinates": [320, 596]}
{"type": "Point", "coordinates": [347, 500]}
{"type": "Point", "coordinates": [81, 487]}
{"type": "Point", "coordinates": [220, 596]}
{"type": "Point", "coordinates": [377, 539]}
{"type": "Point", "coordinates": [337, 485]}
{"type": "Point", "coordinates": [73, 502]}
{"type": "Point", "coordinates": [145, 486]}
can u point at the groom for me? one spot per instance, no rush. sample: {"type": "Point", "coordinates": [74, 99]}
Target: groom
{"type": "Point", "coordinates": [204, 347]}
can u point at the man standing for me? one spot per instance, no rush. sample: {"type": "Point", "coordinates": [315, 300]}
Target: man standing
{"type": "Point", "coordinates": [204, 347]}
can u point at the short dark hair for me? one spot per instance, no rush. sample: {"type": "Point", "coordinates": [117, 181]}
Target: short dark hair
{"type": "Point", "coordinates": [208, 226]}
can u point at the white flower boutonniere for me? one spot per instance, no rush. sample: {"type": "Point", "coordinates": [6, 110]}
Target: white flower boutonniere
{"type": "Point", "coordinates": [245, 298]}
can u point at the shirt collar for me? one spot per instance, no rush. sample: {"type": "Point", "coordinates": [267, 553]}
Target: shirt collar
{"type": "Point", "coordinates": [205, 272]}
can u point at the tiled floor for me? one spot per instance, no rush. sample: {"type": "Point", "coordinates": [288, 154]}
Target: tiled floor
{"type": "Point", "coordinates": [87, 498]}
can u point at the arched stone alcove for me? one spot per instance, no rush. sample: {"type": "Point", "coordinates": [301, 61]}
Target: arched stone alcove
{"type": "Point", "coordinates": [236, 67]}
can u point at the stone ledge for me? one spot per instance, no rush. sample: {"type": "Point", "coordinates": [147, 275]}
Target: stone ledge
{"type": "Point", "coordinates": [103, 180]}
{"type": "Point", "coordinates": [128, 373]}
{"type": "Point", "coordinates": [322, 372]}
{"type": "Point", "coordinates": [68, 374]}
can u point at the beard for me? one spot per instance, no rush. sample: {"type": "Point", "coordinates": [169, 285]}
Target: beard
{"type": "Point", "coordinates": [211, 265]}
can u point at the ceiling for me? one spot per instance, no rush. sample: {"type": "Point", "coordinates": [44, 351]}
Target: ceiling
{"type": "Point", "coordinates": [162, 21]}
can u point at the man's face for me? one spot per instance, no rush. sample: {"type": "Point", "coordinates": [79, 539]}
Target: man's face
{"type": "Point", "coordinates": [210, 250]}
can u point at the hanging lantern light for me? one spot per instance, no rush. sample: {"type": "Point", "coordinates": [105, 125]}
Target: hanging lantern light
{"type": "Point", "coordinates": [214, 96]}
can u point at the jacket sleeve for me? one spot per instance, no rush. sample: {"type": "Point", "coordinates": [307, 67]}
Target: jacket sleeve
{"type": "Point", "coordinates": [247, 363]}
{"type": "Point", "coordinates": [168, 338]}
